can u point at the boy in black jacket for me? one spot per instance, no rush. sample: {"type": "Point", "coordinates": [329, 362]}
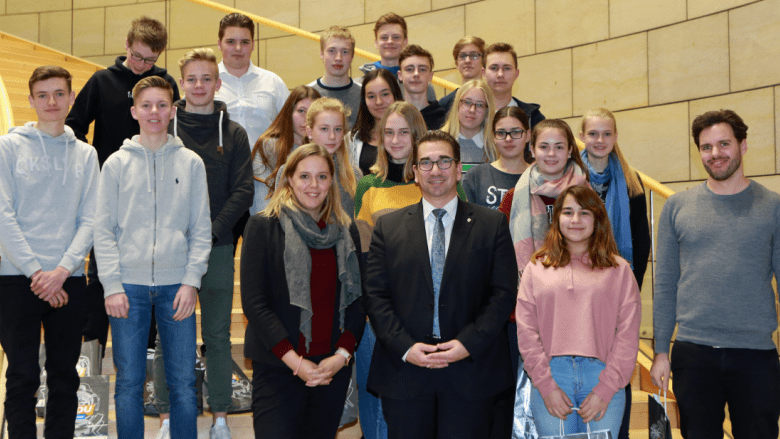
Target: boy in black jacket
{"type": "Point", "coordinates": [204, 127]}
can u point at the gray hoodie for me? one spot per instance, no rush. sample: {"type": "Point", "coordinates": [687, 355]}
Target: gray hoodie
{"type": "Point", "coordinates": [48, 187]}
{"type": "Point", "coordinates": [152, 225]}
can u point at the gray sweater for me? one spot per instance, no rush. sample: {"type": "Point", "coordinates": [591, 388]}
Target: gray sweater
{"type": "Point", "coordinates": [716, 258]}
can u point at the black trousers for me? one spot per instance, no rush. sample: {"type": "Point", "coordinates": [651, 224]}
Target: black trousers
{"type": "Point", "coordinates": [21, 316]}
{"type": "Point", "coordinates": [284, 408]}
{"type": "Point", "coordinates": [705, 379]}
{"type": "Point", "coordinates": [440, 414]}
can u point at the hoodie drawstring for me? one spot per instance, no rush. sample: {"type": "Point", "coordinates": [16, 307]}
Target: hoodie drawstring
{"type": "Point", "coordinates": [219, 147]}
{"type": "Point", "coordinates": [43, 147]}
{"type": "Point", "coordinates": [65, 167]}
{"type": "Point", "coordinates": [148, 176]}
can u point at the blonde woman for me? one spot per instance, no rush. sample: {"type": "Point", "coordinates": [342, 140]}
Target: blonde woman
{"type": "Point", "coordinates": [470, 121]}
{"type": "Point", "coordinates": [301, 294]}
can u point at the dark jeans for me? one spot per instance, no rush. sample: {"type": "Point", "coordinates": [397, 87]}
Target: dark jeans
{"type": "Point", "coordinates": [705, 379]}
{"type": "Point", "coordinates": [21, 315]}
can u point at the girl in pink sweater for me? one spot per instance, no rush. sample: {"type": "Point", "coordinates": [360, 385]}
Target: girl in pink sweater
{"type": "Point", "coordinates": [578, 313]}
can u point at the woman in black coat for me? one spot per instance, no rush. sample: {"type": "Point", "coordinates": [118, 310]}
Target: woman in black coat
{"type": "Point", "coordinates": [301, 295]}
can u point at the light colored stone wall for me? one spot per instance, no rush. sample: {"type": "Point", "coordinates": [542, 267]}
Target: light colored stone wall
{"type": "Point", "coordinates": [656, 63]}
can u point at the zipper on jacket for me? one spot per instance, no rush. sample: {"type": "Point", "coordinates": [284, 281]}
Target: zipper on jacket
{"type": "Point", "coordinates": [154, 231]}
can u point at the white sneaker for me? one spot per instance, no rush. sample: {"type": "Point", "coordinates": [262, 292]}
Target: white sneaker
{"type": "Point", "coordinates": [164, 433]}
{"type": "Point", "coordinates": [220, 432]}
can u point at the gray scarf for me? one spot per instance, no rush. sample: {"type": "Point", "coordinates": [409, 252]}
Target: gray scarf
{"type": "Point", "coordinates": [301, 233]}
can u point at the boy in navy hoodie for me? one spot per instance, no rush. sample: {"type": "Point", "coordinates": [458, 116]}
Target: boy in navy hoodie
{"type": "Point", "coordinates": [48, 185]}
{"type": "Point", "coordinates": [106, 100]}
{"type": "Point", "coordinates": [203, 125]}
{"type": "Point", "coordinates": [152, 245]}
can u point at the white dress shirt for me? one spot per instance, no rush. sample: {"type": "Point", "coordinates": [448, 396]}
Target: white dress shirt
{"type": "Point", "coordinates": [253, 100]}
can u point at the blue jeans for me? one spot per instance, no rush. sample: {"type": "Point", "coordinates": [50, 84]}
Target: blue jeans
{"type": "Point", "coordinates": [372, 420]}
{"type": "Point", "coordinates": [577, 376]}
{"type": "Point", "coordinates": [130, 337]}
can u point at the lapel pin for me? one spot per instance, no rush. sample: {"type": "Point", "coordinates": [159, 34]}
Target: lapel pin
{"type": "Point", "coordinates": [468, 220]}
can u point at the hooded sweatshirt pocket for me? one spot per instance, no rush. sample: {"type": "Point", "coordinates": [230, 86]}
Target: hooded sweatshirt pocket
{"type": "Point", "coordinates": [171, 250]}
{"type": "Point", "coordinates": [135, 248]}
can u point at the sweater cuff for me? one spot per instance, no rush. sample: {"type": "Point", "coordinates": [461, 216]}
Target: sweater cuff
{"type": "Point", "coordinates": [282, 348]}
{"type": "Point", "coordinates": [604, 392]}
{"type": "Point", "coordinates": [30, 268]}
{"type": "Point", "coordinates": [546, 386]}
{"type": "Point", "coordinates": [347, 341]}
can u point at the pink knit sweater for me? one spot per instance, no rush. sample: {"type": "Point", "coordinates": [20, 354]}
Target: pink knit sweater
{"type": "Point", "coordinates": [576, 310]}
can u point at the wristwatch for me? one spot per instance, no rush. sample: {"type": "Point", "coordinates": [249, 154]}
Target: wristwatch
{"type": "Point", "coordinates": [344, 353]}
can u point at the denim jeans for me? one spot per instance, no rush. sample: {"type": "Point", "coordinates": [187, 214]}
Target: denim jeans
{"type": "Point", "coordinates": [130, 337]}
{"type": "Point", "coordinates": [216, 307]}
{"type": "Point", "coordinates": [577, 376]}
{"type": "Point", "coordinates": [372, 420]}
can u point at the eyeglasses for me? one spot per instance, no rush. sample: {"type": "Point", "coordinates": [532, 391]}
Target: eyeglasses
{"type": "Point", "coordinates": [473, 55]}
{"type": "Point", "coordinates": [515, 134]}
{"type": "Point", "coordinates": [442, 163]}
{"type": "Point", "coordinates": [137, 57]}
{"type": "Point", "coordinates": [481, 106]}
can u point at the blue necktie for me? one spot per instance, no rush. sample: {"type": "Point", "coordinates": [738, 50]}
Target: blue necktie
{"type": "Point", "coordinates": [437, 266]}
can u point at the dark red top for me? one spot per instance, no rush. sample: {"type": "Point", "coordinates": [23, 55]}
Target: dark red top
{"type": "Point", "coordinates": [324, 285]}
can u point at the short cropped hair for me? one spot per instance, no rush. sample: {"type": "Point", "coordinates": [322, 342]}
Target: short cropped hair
{"type": "Point", "coordinates": [200, 54]}
{"type": "Point", "coordinates": [43, 73]}
{"type": "Point", "coordinates": [499, 48]}
{"type": "Point", "coordinates": [436, 136]}
{"type": "Point", "coordinates": [711, 118]}
{"type": "Point", "coordinates": [337, 32]}
{"type": "Point", "coordinates": [389, 18]}
{"type": "Point", "coordinates": [236, 20]}
{"type": "Point", "coordinates": [465, 41]}
{"type": "Point", "coordinates": [415, 50]}
{"type": "Point", "coordinates": [148, 32]}
{"type": "Point", "coordinates": [152, 82]}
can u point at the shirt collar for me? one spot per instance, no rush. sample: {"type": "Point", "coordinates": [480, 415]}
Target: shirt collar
{"type": "Point", "coordinates": [478, 139]}
{"type": "Point", "coordinates": [252, 70]}
{"type": "Point", "coordinates": [451, 207]}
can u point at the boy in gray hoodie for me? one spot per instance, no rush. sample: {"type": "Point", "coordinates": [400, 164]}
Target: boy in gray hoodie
{"type": "Point", "coordinates": [152, 244]}
{"type": "Point", "coordinates": [203, 125]}
{"type": "Point", "coordinates": [48, 185]}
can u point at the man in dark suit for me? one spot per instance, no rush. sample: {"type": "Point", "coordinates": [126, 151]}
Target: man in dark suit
{"type": "Point", "coordinates": [441, 279]}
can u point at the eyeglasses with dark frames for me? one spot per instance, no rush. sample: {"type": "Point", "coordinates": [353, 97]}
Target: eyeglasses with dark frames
{"type": "Point", "coordinates": [137, 57]}
{"type": "Point", "coordinates": [443, 163]}
{"type": "Point", "coordinates": [515, 134]}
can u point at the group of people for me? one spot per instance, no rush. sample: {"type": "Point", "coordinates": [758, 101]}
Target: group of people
{"type": "Point", "coordinates": [370, 236]}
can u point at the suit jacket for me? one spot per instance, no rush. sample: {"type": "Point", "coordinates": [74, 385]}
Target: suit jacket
{"type": "Point", "coordinates": [266, 299]}
{"type": "Point", "coordinates": [478, 291]}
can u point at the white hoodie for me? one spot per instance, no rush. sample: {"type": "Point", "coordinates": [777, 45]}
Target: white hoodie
{"type": "Point", "coordinates": [153, 225]}
{"type": "Point", "coordinates": [48, 187]}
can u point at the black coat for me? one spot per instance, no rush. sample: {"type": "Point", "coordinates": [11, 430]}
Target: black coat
{"type": "Point", "coordinates": [266, 299]}
{"type": "Point", "coordinates": [478, 291]}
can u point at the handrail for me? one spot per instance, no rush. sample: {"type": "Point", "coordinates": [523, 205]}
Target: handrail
{"type": "Point", "coordinates": [37, 46]}
{"type": "Point", "coordinates": [6, 112]}
{"type": "Point", "coordinates": [305, 34]}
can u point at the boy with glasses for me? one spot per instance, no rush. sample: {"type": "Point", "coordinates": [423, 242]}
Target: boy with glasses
{"type": "Point", "coordinates": [468, 52]}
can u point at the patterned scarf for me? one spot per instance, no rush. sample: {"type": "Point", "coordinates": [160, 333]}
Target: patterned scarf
{"type": "Point", "coordinates": [528, 220]}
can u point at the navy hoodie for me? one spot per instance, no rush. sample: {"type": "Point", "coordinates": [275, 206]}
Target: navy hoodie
{"type": "Point", "coordinates": [106, 99]}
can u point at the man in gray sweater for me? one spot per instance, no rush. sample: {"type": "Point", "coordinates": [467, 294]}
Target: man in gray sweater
{"type": "Point", "coordinates": [718, 247]}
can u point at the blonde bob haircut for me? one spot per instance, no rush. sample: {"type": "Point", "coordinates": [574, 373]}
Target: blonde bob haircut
{"type": "Point", "coordinates": [416, 123]}
{"type": "Point", "coordinates": [331, 211]}
{"type": "Point", "coordinates": [346, 172]}
{"type": "Point", "coordinates": [452, 126]}
{"type": "Point", "coordinates": [200, 54]}
{"type": "Point", "coordinates": [632, 180]}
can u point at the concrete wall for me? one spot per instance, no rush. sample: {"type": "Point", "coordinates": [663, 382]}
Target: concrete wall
{"type": "Point", "coordinates": [657, 64]}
